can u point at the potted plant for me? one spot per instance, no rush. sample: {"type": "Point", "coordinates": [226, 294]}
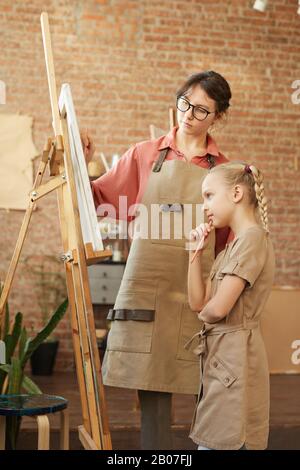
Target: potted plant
{"type": "Point", "coordinates": [19, 348]}
{"type": "Point", "coordinates": [50, 289]}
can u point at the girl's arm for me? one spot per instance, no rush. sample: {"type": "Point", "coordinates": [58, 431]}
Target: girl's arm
{"type": "Point", "coordinates": [246, 263]}
{"type": "Point", "coordinates": [224, 300]}
{"type": "Point", "coordinates": [198, 290]}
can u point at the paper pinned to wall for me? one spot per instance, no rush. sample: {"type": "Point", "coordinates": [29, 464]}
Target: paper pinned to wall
{"type": "Point", "coordinates": [16, 153]}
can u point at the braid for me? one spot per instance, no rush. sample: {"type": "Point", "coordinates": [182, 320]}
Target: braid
{"type": "Point", "coordinates": [260, 196]}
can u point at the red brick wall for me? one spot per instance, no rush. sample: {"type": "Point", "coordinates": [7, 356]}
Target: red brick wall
{"type": "Point", "coordinates": [124, 61]}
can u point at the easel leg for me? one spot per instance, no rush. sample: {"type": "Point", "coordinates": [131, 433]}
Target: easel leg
{"type": "Point", "coordinates": [21, 238]}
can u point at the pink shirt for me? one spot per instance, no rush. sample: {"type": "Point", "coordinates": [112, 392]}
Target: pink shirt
{"type": "Point", "coordinates": [130, 175]}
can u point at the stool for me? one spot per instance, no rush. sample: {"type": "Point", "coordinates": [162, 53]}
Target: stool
{"type": "Point", "coordinates": [37, 406]}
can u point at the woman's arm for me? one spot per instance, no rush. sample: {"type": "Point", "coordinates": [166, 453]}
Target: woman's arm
{"type": "Point", "coordinates": [224, 300]}
{"type": "Point", "coordinates": [121, 180]}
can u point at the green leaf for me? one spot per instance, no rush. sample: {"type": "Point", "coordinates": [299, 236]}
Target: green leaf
{"type": "Point", "coordinates": [16, 331]}
{"type": "Point", "coordinates": [5, 367]}
{"type": "Point", "coordinates": [15, 376]}
{"type": "Point", "coordinates": [9, 343]}
{"type": "Point", "coordinates": [22, 343]}
{"type": "Point", "coordinates": [30, 386]}
{"type": "Point", "coordinates": [46, 331]}
{"type": "Point", "coordinates": [11, 340]}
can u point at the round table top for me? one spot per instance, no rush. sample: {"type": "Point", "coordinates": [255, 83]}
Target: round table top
{"type": "Point", "coordinates": [31, 405]}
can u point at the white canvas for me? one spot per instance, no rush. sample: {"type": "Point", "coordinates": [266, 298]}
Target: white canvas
{"type": "Point", "coordinates": [88, 217]}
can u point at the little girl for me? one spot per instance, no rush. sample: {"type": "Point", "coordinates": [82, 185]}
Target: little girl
{"type": "Point", "coordinates": [233, 403]}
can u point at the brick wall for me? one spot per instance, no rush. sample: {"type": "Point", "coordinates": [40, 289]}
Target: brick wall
{"type": "Point", "coordinates": [124, 61]}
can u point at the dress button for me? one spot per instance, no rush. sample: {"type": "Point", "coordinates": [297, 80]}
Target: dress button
{"type": "Point", "coordinates": [227, 379]}
{"type": "Point", "coordinates": [215, 364]}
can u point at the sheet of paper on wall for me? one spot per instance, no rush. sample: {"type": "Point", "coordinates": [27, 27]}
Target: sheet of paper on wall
{"type": "Point", "coordinates": [16, 153]}
{"type": "Point", "coordinates": [88, 218]}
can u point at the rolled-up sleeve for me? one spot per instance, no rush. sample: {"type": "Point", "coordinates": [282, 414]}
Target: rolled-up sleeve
{"type": "Point", "coordinates": [121, 180]}
{"type": "Point", "coordinates": [247, 257]}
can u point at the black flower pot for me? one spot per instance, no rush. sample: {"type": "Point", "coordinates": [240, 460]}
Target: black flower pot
{"type": "Point", "coordinates": [43, 359]}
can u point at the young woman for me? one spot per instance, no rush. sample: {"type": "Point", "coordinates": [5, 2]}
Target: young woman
{"type": "Point", "coordinates": [151, 320]}
{"type": "Point", "coordinates": [233, 401]}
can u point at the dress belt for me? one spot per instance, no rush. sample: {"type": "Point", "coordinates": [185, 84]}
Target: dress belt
{"type": "Point", "coordinates": [210, 329]}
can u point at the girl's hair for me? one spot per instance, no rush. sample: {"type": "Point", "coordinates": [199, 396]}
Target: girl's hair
{"type": "Point", "coordinates": [216, 87]}
{"type": "Point", "coordinates": [249, 176]}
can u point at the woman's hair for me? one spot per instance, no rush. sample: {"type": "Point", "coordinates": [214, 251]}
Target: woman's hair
{"type": "Point", "coordinates": [216, 87]}
{"type": "Point", "coordinates": [250, 177]}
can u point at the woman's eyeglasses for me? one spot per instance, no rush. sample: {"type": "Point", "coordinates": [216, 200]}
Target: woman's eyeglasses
{"type": "Point", "coordinates": [198, 112]}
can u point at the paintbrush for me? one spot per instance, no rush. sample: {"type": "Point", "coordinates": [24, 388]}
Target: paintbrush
{"type": "Point", "coordinates": [200, 243]}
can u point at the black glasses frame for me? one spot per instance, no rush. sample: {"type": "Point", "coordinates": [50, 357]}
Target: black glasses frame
{"type": "Point", "coordinates": [193, 108]}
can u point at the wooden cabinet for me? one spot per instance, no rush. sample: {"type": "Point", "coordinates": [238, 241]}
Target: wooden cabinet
{"type": "Point", "coordinates": [105, 280]}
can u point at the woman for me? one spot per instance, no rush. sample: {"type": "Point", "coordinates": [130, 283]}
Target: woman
{"type": "Point", "coordinates": [151, 319]}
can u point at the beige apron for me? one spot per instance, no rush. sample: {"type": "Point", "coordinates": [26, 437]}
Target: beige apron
{"type": "Point", "coordinates": [152, 320]}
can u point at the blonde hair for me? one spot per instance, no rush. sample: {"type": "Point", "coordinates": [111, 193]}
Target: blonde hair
{"type": "Point", "coordinates": [251, 177]}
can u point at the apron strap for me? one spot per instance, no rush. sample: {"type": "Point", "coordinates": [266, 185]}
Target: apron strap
{"type": "Point", "coordinates": [211, 161]}
{"type": "Point", "coordinates": [161, 158]}
{"type": "Point", "coordinates": [130, 314]}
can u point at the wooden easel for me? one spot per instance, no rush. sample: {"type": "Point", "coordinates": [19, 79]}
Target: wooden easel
{"type": "Point", "coordinates": [94, 432]}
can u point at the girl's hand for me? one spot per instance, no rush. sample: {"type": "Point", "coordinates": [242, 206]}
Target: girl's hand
{"type": "Point", "coordinates": [199, 237]}
{"type": "Point", "coordinates": [87, 145]}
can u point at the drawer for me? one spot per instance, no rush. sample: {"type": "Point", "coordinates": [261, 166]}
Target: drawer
{"type": "Point", "coordinates": [98, 271]}
{"type": "Point", "coordinates": [104, 291]}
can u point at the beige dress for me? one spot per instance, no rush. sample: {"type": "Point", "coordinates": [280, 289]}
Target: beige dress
{"type": "Point", "coordinates": [233, 402]}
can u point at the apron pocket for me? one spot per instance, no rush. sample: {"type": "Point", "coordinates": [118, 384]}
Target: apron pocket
{"type": "Point", "coordinates": [222, 371]}
{"type": "Point", "coordinates": [135, 295]}
{"type": "Point", "coordinates": [189, 325]}
{"type": "Point", "coordinates": [130, 336]}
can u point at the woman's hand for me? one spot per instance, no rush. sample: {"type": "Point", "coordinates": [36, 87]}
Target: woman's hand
{"type": "Point", "coordinates": [199, 237]}
{"type": "Point", "coordinates": [87, 145]}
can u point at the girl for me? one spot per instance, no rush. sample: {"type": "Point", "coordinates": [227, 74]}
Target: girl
{"type": "Point", "coordinates": [233, 403]}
